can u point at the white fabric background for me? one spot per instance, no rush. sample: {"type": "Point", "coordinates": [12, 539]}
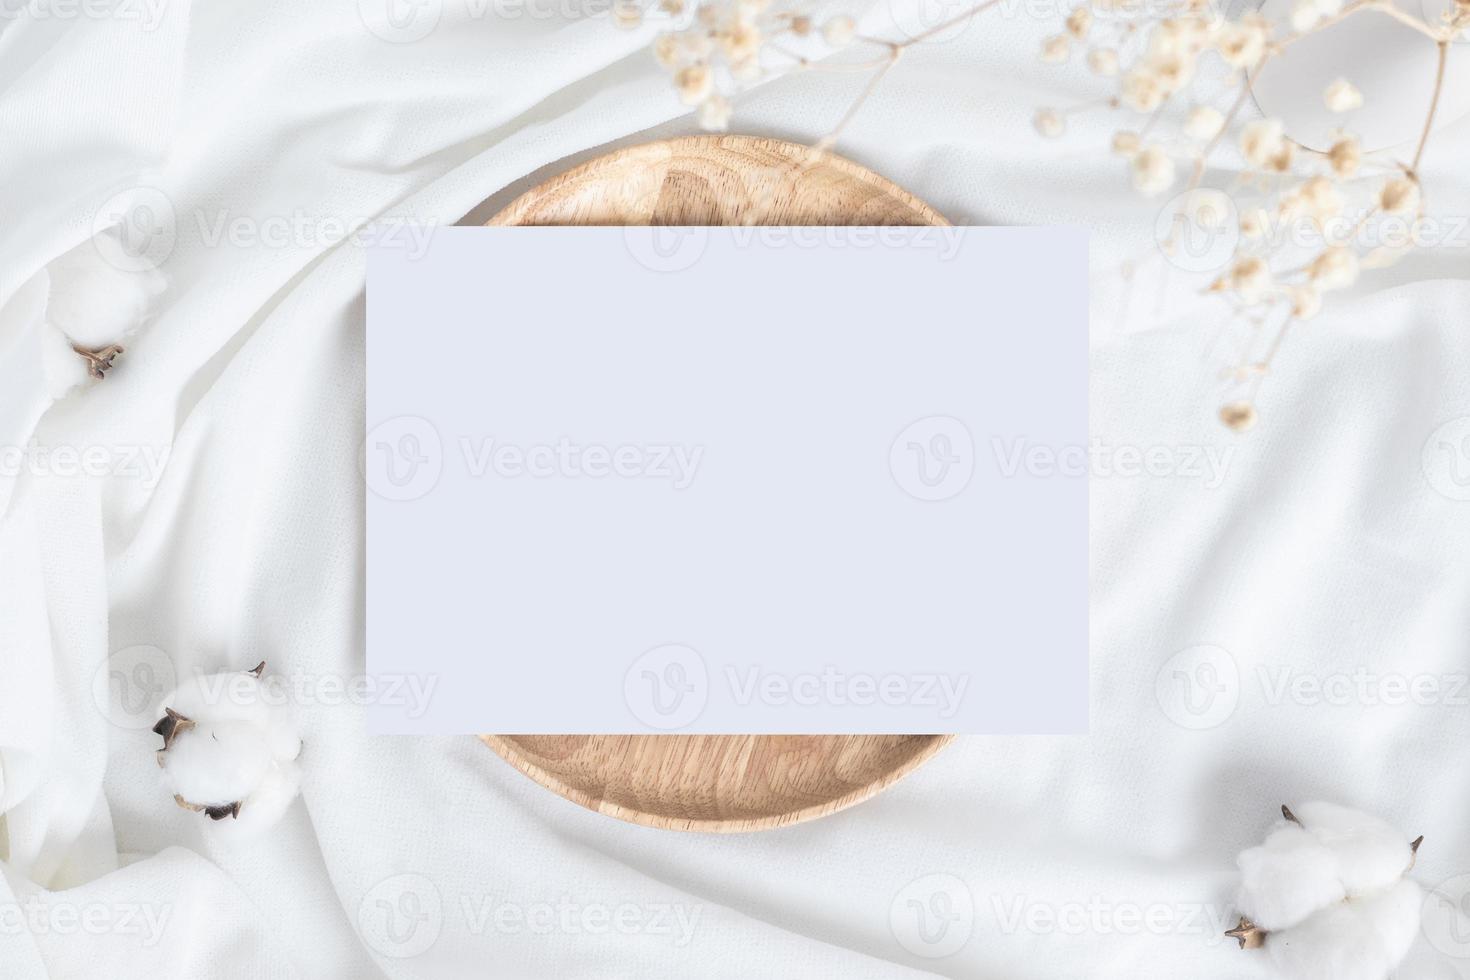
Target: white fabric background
{"type": "Point", "coordinates": [1327, 549]}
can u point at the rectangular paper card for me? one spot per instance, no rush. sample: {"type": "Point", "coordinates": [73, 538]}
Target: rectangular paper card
{"type": "Point", "coordinates": [728, 480]}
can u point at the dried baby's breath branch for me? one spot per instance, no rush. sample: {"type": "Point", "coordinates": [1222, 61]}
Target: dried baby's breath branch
{"type": "Point", "coordinates": [1444, 53]}
{"type": "Point", "coordinates": [723, 49]}
{"type": "Point", "coordinates": [1279, 188]}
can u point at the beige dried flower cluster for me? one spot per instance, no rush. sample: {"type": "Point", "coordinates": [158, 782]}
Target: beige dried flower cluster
{"type": "Point", "coordinates": [1297, 216]}
{"type": "Point", "coordinates": [731, 43]}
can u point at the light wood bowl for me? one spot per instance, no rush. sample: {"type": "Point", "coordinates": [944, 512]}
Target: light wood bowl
{"type": "Point", "coordinates": [717, 783]}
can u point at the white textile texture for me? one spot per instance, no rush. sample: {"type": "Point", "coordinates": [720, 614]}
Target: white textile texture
{"type": "Point", "coordinates": [1294, 627]}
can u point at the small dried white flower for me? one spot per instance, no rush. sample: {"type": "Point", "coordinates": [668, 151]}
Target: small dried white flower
{"type": "Point", "coordinates": [1262, 141]}
{"type": "Point", "coordinates": [1079, 22]}
{"type": "Point", "coordinates": [695, 83]}
{"type": "Point", "coordinates": [1204, 123]}
{"type": "Point", "coordinates": [839, 31]}
{"type": "Point", "coordinates": [1103, 61]}
{"type": "Point", "coordinates": [1318, 198]}
{"type": "Point", "coordinates": [1306, 302]}
{"type": "Point", "coordinates": [1336, 268]}
{"type": "Point", "coordinates": [714, 114]}
{"type": "Point", "coordinates": [1251, 278]}
{"type": "Point", "coordinates": [1172, 72]}
{"type": "Point", "coordinates": [741, 43]}
{"type": "Point", "coordinates": [1399, 196]}
{"type": "Point", "coordinates": [1304, 15]}
{"type": "Point", "coordinates": [1242, 42]}
{"type": "Point", "coordinates": [1049, 123]}
{"type": "Point", "coordinates": [1254, 223]}
{"type": "Point", "coordinates": [1153, 170]}
{"type": "Point", "coordinates": [627, 14]}
{"type": "Point", "coordinates": [1056, 49]}
{"type": "Point", "coordinates": [1343, 96]}
{"type": "Point", "coordinates": [1207, 208]}
{"type": "Point", "coordinates": [1345, 157]}
{"type": "Point", "coordinates": [1125, 142]}
{"type": "Point", "coordinates": [1140, 90]}
{"type": "Point", "coordinates": [668, 50]}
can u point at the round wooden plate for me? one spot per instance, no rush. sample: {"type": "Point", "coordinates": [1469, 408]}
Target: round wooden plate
{"type": "Point", "coordinates": [720, 783]}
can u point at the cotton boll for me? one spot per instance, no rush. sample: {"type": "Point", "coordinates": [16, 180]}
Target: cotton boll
{"type": "Point", "coordinates": [230, 749]}
{"type": "Point", "coordinates": [217, 763]}
{"type": "Point", "coordinates": [1360, 939]}
{"type": "Point", "coordinates": [95, 303]}
{"type": "Point", "coordinates": [1328, 895]}
{"type": "Point", "coordinates": [1287, 878]}
{"type": "Point", "coordinates": [269, 801]}
{"type": "Point", "coordinates": [1370, 854]}
{"type": "Point", "coordinates": [64, 368]}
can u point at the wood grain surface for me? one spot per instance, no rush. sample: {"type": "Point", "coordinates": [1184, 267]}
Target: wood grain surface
{"type": "Point", "coordinates": [719, 783]}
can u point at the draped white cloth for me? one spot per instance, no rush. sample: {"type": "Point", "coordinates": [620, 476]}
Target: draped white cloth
{"type": "Point", "coordinates": [1335, 547]}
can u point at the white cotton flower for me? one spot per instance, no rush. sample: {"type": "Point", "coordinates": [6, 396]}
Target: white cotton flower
{"type": "Point", "coordinates": [1328, 897]}
{"type": "Point", "coordinates": [230, 749]}
{"type": "Point", "coordinates": [1103, 61]}
{"type": "Point", "coordinates": [1360, 939]}
{"type": "Point", "coordinates": [1203, 123]}
{"type": "Point", "coordinates": [89, 309]}
{"type": "Point", "coordinates": [1342, 96]}
{"type": "Point", "coordinates": [1262, 141]}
